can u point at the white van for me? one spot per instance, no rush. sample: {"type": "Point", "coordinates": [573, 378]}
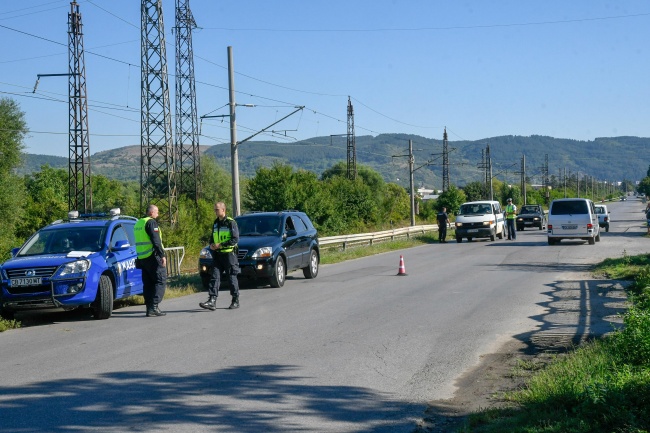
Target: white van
{"type": "Point", "coordinates": [572, 218]}
{"type": "Point", "coordinates": [480, 219]}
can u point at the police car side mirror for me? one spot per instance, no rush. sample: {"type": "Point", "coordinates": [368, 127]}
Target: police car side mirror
{"type": "Point", "coordinates": [121, 245]}
{"type": "Point", "coordinates": [14, 251]}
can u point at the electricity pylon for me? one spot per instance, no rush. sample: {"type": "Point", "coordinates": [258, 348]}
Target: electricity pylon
{"type": "Point", "coordinates": [352, 148]}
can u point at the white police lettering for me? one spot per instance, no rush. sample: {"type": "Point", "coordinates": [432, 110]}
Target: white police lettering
{"type": "Point", "coordinates": [125, 265]}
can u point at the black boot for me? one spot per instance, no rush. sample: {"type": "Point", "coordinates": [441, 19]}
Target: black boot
{"type": "Point", "coordinates": [211, 304]}
{"type": "Point", "coordinates": [235, 303]}
{"type": "Point", "coordinates": [155, 311]}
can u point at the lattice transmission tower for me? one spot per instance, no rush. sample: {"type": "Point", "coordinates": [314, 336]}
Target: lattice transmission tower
{"type": "Point", "coordinates": [187, 129]}
{"type": "Point", "coordinates": [157, 156]}
{"type": "Point", "coordinates": [445, 162]}
{"type": "Point", "coordinates": [80, 196]}
{"type": "Point", "coordinates": [352, 148]}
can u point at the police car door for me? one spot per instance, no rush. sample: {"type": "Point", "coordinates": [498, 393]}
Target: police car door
{"type": "Point", "coordinates": [128, 279]}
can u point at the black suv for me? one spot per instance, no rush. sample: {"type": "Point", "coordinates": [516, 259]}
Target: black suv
{"type": "Point", "coordinates": [531, 215]}
{"type": "Point", "coordinates": [271, 244]}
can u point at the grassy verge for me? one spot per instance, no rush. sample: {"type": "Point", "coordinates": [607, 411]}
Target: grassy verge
{"type": "Point", "coordinates": [602, 386]}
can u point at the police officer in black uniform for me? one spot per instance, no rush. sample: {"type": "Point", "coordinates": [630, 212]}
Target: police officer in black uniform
{"type": "Point", "coordinates": [443, 222]}
{"type": "Point", "coordinates": [223, 245]}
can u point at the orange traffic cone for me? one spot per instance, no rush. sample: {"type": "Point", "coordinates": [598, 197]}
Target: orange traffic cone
{"type": "Point", "coordinates": [402, 270]}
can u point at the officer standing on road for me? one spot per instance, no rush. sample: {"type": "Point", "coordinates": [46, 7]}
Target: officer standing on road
{"type": "Point", "coordinates": [223, 245]}
{"type": "Point", "coordinates": [443, 222]}
{"type": "Point", "coordinates": [152, 260]}
{"type": "Point", "coordinates": [511, 214]}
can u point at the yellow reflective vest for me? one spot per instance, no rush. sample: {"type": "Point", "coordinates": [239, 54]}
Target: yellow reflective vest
{"type": "Point", "coordinates": [143, 244]}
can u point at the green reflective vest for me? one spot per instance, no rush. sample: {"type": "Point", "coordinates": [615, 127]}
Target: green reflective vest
{"type": "Point", "coordinates": [510, 212]}
{"type": "Point", "coordinates": [221, 234]}
{"type": "Point", "coordinates": [143, 244]}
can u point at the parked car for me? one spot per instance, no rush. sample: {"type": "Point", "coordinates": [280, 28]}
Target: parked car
{"type": "Point", "coordinates": [271, 244]}
{"type": "Point", "coordinates": [531, 215]}
{"type": "Point", "coordinates": [572, 218]}
{"type": "Point", "coordinates": [480, 219]}
{"type": "Point", "coordinates": [86, 261]}
{"type": "Point", "coordinates": [603, 216]}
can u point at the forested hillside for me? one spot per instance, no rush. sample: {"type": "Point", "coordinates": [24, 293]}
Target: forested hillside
{"type": "Point", "coordinates": [611, 159]}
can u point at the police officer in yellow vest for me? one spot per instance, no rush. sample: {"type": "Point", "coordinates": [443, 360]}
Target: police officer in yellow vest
{"type": "Point", "coordinates": [223, 245]}
{"type": "Point", "coordinates": [152, 260]}
{"type": "Point", "coordinates": [511, 214]}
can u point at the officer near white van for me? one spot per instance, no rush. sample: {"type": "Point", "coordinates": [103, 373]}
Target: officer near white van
{"type": "Point", "coordinates": [511, 215]}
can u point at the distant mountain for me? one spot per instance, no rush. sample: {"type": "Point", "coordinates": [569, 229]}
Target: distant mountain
{"type": "Point", "coordinates": [613, 158]}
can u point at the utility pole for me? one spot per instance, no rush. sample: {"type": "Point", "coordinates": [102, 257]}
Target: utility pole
{"type": "Point", "coordinates": [234, 154]}
{"type": "Point", "coordinates": [445, 161]}
{"type": "Point", "coordinates": [412, 184]}
{"type": "Point", "coordinates": [187, 128]}
{"type": "Point", "coordinates": [523, 178]}
{"type": "Point", "coordinates": [80, 195]}
{"type": "Point", "coordinates": [352, 148]}
{"type": "Point", "coordinates": [489, 168]}
{"type": "Point", "coordinates": [157, 154]}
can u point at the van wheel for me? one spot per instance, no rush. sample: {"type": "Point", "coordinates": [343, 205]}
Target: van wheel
{"type": "Point", "coordinates": [551, 241]}
{"type": "Point", "coordinates": [592, 241]}
{"type": "Point", "coordinates": [459, 239]}
{"type": "Point", "coordinates": [493, 237]}
{"type": "Point", "coordinates": [103, 305]}
{"type": "Point", "coordinates": [500, 235]}
{"type": "Point", "coordinates": [598, 237]}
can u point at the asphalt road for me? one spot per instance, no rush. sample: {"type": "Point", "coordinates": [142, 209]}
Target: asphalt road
{"type": "Point", "coordinates": [358, 349]}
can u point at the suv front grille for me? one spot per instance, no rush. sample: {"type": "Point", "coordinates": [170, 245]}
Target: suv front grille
{"type": "Point", "coordinates": [43, 272]}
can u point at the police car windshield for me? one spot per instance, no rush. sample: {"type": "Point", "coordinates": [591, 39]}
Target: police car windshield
{"type": "Point", "coordinates": [63, 240]}
{"type": "Point", "coordinates": [268, 225]}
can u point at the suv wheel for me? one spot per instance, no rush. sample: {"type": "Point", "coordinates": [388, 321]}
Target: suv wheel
{"type": "Point", "coordinates": [312, 270]}
{"type": "Point", "coordinates": [103, 305]}
{"type": "Point", "coordinates": [459, 239]}
{"type": "Point", "coordinates": [592, 241]}
{"type": "Point", "coordinates": [277, 280]}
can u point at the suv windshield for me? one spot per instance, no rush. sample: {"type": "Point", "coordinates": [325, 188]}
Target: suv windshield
{"type": "Point", "coordinates": [569, 207]}
{"type": "Point", "coordinates": [64, 240]}
{"type": "Point", "coordinates": [529, 209]}
{"type": "Point", "coordinates": [262, 225]}
{"type": "Point", "coordinates": [475, 209]}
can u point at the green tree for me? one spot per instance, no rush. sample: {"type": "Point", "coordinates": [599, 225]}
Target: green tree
{"type": "Point", "coordinates": [475, 191]}
{"type": "Point", "coordinates": [216, 182]}
{"type": "Point", "coordinates": [12, 193]}
{"type": "Point", "coordinates": [47, 199]}
{"type": "Point", "coordinates": [451, 199]}
{"type": "Point", "coordinates": [395, 204]}
{"type": "Point", "coordinates": [644, 186]}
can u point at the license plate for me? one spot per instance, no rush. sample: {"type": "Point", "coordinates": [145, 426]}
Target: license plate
{"type": "Point", "coordinates": [528, 223]}
{"type": "Point", "coordinates": [472, 231]}
{"type": "Point", "coordinates": [35, 281]}
{"type": "Point", "coordinates": [569, 227]}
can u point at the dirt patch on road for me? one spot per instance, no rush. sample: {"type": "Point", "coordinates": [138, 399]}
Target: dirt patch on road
{"type": "Point", "coordinates": [484, 386]}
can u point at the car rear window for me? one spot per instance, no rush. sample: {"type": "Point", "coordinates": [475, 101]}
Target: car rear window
{"type": "Point", "coordinates": [569, 207]}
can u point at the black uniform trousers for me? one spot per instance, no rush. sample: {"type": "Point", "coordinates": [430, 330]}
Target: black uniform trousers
{"type": "Point", "coordinates": [154, 280]}
{"type": "Point", "coordinates": [228, 263]}
{"type": "Point", "coordinates": [442, 229]}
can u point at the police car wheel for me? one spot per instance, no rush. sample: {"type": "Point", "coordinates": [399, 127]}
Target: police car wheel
{"type": "Point", "coordinates": [103, 305]}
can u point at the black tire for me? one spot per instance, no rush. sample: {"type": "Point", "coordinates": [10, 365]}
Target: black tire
{"type": "Point", "coordinates": [279, 274]}
{"type": "Point", "coordinates": [552, 241]}
{"type": "Point", "coordinates": [7, 314]}
{"type": "Point", "coordinates": [493, 237]}
{"type": "Point", "coordinates": [311, 271]}
{"type": "Point", "coordinates": [103, 305]}
{"type": "Point", "coordinates": [598, 237]}
{"type": "Point", "coordinates": [500, 235]}
{"type": "Point", "coordinates": [591, 241]}
{"type": "Point", "coordinates": [459, 239]}
{"type": "Point", "coordinates": [607, 229]}
{"type": "Point", "coordinates": [519, 228]}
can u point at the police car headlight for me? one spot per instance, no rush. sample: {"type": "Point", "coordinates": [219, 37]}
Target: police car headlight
{"type": "Point", "coordinates": [263, 252]}
{"type": "Point", "coordinates": [205, 253]}
{"type": "Point", "coordinates": [3, 274]}
{"type": "Point", "coordinates": [73, 268]}
{"type": "Point", "coordinates": [459, 224]}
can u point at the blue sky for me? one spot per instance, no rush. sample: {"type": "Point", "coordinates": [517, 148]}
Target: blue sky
{"type": "Point", "coordinates": [575, 70]}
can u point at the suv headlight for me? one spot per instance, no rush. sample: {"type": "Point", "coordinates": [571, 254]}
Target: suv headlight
{"type": "Point", "coordinates": [263, 252]}
{"type": "Point", "coordinates": [205, 253]}
{"type": "Point", "coordinates": [73, 268]}
{"type": "Point", "coordinates": [3, 275]}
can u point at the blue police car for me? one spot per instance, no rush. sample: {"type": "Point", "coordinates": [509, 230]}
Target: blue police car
{"type": "Point", "coordinates": [86, 261]}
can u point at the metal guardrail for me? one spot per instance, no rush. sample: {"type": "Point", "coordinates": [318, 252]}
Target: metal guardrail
{"type": "Point", "coordinates": [345, 241]}
{"type": "Point", "coordinates": [175, 257]}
